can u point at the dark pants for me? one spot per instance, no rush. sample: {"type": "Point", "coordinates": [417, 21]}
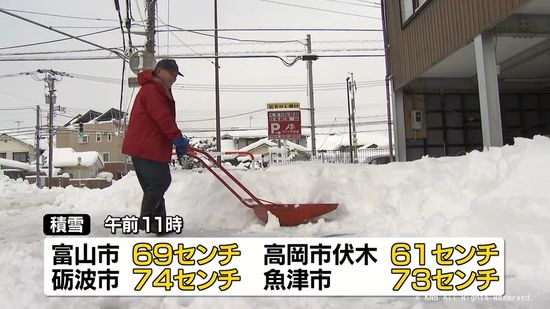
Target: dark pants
{"type": "Point", "coordinates": [154, 178]}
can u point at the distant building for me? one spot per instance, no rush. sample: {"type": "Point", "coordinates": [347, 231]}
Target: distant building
{"type": "Point", "coordinates": [240, 139]}
{"type": "Point", "coordinates": [15, 149]}
{"type": "Point", "coordinates": [102, 132]}
{"type": "Point", "coordinates": [466, 74]}
{"type": "Point", "coordinates": [15, 169]}
{"type": "Point", "coordinates": [78, 165]}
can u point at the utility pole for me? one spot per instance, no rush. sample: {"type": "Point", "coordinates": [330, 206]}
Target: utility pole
{"type": "Point", "coordinates": [149, 55]}
{"type": "Point", "coordinates": [50, 99]}
{"type": "Point", "coordinates": [353, 88]}
{"type": "Point", "coordinates": [310, 94]}
{"type": "Point", "coordinates": [349, 122]}
{"type": "Point", "coordinates": [37, 147]}
{"type": "Point", "coordinates": [18, 123]}
{"type": "Point", "coordinates": [50, 79]}
{"type": "Point", "coordinates": [217, 78]}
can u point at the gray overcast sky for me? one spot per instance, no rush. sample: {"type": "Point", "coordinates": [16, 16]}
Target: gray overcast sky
{"type": "Point", "coordinates": [194, 93]}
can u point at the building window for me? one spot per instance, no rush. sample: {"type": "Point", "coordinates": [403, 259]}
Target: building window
{"type": "Point", "coordinates": [2, 155]}
{"type": "Point", "coordinates": [109, 137]}
{"type": "Point", "coordinates": [21, 156]}
{"type": "Point", "coordinates": [83, 139]}
{"type": "Point", "coordinates": [106, 157]}
{"type": "Point", "coordinates": [98, 137]}
{"type": "Point", "coordinates": [409, 8]}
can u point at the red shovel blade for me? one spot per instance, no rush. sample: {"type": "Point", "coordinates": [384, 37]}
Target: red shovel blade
{"type": "Point", "coordinates": [293, 214]}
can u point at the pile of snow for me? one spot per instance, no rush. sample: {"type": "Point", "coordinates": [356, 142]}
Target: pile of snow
{"type": "Point", "coordinates": [502, 192]}
{"type": "Point", "coordinates": [105, 175]}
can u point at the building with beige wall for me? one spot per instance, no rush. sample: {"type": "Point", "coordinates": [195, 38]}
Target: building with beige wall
{"type": "Point", "coordinates": [101, 133]}
{"type": "Point", "coordinates": [466, 75]}
{"type": "Point", "coordinates": [12, 148]}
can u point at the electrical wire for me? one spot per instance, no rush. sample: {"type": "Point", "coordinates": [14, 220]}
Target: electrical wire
{"type": "Point", "coordinates": [58, 40]}
{"type": "Point", "coordinates": [117, 8]}
{"type": "Point", "coordinates": [224, 117]}
{"type": "Point", "coordinates": [357, 4]}
{"type": "Point", "coordinates": [236, 39]}
{"type": "Point", "coordinates": [319, 9]}
{"type": "Point", "coordinates": [62, 16]}
{"type": "Point", "coordinates": [17, 109]}
{"type": "Point", "coordinates": [182, 42]}
{"type": "Point", "coordinates": [268, 43]}
{"type": "Point", "coordinates": [53, 52]}
{"type": "Point", "coordinates": [128, 24]}
{"type": "Point", "coordinates": [280, 29]}
{"type": "Point", "coordinates": [63, 33]}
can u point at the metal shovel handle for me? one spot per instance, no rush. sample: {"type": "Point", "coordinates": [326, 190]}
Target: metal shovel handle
{"type": "Point", "coordinates": [198, 154]}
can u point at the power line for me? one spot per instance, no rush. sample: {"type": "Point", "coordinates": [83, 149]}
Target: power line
{"type": "Point", "coordinates": [225, 117]}
{"type": "Point", "coordinates": [182, 42]}
{"type": "Point", "coordinates": [19, 97]}
{"type": "Point", "coordinates": [319, 9]}
{"type": "Point", "coordinates": [17, 109]}
{"type": "Point", "coordinates": [53, 52]}
{"type": "Point", "coordinates": [235, 39]}
{"type": "Point", "coordinates": [61, 32]}
{"type": "Point", "coordinates": [62, 58]}
{"type": "Point", "coordinates": [58, 40]}
{"type": "Point", "coordinates": [268, 43]}
{"type": "Point", "coordinates": [62, 16]}
{"type": "Point", "coordinates": [277, 29]}
{"type": "Point", "coordinates": [294, 51]}
{"type": "Point", "coordinates": [285, 62]}
{"type": "Point", "coordinates": [117, 8]}
{"type": "Point", "coordinates": [351, 3]}
{"type": "Point", "coordinates": [371, 2]}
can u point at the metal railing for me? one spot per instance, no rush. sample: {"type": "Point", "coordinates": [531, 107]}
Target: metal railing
{"type": "Point", "coordinates": [361, 156]}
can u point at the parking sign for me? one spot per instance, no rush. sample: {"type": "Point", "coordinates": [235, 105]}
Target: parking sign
{"type": "Point", "coordinates": [284, 122]}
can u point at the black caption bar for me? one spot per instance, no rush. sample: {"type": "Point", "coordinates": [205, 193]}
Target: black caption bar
{"type": "Point", "coordinates": [67, 224]}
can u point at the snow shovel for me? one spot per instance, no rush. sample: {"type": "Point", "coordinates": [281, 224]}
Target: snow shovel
{"type": "Point", "coordinates": [288, 214]}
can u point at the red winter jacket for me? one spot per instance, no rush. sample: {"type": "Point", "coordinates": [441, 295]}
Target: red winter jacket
{"type": "Point", "coordinates": [152, 126]}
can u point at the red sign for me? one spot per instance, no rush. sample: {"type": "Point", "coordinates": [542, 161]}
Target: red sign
{"type": "Point", "coordinates": [284, 124]}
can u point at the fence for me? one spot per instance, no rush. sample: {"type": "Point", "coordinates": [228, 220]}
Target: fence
{"type": "Point", "coordinates": [367, 156]}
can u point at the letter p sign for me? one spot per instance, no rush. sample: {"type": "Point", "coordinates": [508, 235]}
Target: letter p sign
{"type": "Point", "coordinates": [275, 127]}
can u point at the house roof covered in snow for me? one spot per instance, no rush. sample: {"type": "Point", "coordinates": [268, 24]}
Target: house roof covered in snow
{"type": "Point", "coordinates": [87, 117]}
{"type": "Point", "coordinates": [67, 157]}
{"type": "Point", "coordinates": [11, 164]}
{"type": "Point", "coordinates": [91, 115]}
{"type": "Point", "coordinates": [268, 143]}
{"type": "Point", "coordinates": [21, 140]}
{"type": "Point", "coordinates": [112, 114]}
{"type": "Point", "coordinates": [364, 140]}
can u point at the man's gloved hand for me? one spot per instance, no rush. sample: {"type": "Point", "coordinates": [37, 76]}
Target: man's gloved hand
{"type": "Point", "coordinates": [181, 144]}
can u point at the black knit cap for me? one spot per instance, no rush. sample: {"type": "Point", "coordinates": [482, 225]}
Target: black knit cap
{"type": "Point", "coordinates": [169, 64]}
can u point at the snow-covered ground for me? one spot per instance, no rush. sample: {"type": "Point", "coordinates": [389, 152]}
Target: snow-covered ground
{"type": "Point", "coordinates": [503, 192]}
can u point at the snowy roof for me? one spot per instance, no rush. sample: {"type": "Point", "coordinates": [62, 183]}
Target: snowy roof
{"type": "Point", "coordinates": [7, 164]}
{"type": "Point", "coordinates": [242, 133]}
{"type": "Point", "coordinates": [24, 139]}
{"type": "Point", "coordinates": [112, 114]}
{"type": "Point", "coordinates": [364, 139]}
{"type": "Point", "coordinates": [267, 142]}
{"type": "Point", "coordinates": [67, 157]}
{"type": "Point", "coordinates": [263, 141]}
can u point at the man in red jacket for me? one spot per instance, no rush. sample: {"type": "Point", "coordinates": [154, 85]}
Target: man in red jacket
{"type": "Point", "coordinates": [151, 132]}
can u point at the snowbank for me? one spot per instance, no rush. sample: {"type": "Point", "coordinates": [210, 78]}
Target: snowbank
{"type": "Point", "coordinates": [499, 193]}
